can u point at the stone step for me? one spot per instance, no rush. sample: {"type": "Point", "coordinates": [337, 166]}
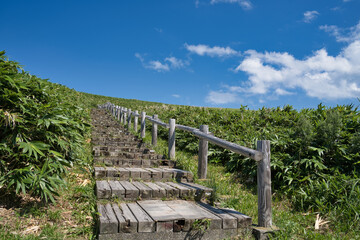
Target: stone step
{"type": "Point", "coordinates": [177, 219]}
{"type": "Point", "coordinates": [126, 190]}
{"type": "Point", "coordinates": [144, 174]}
{"type": "Point", "coordinates": [120, 162]}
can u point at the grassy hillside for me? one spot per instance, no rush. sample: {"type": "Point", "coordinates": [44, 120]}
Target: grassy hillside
{"type": "Point", "coordinates": [315, 153]}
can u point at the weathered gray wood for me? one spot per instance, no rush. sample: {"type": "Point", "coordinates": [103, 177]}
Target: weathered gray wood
{"type": "Point", "coordinates": [145, 191]}
{"type": "Point", "coordinates": [112, 219]}
{"type": "Point", "coordinates": [171, 192]}
{"type": "Point", "coordinates": [167, 174]}
{"type": "Point", "coordinates": [154, 132]}
{"type": "Point", "coordinates": [145, 223]}
{"type": "Point", "coordinates": [191, 212]}
{"type": "Point", "coordinates": [156, 175]}
{"type": "Point", "coordinates": [172, 139]}
{"type": "Point", "coordinates": [163, 215]}
{"type": "Point", "coordinates": [111, 172]}
{"type": "Point", "coordinates": [134, 173]}
{"type": "Point", "coordinates": [228, 220]}
{"type": "Point", "coordinates": [122, 174]}
{"type": "Point", "coordinates": [118, 113]}
{"type": "Point", "coordinates": [129, 119]}
{"type": "Point", "coordinates": [99, 172]}
{"type": "Point", "coordinates": [203, 154]}
{"type": "Point", "coordinates": [124, 116]}
{"type": "Point", "coordinates": [248, 152]}
{"type": "Point", "coordinates": [264, 185]}
{"type": "Point", "coordinates": [123, 226]}
{"type": "Point", "coordinates": [157, 121]}
{"type": "Point", "coordinates": [105, 224]}
{"type": "Point", "coordinates": [121, 115]}
{"type": "Point", "coordinates": [142, 133]}
{"type": "Point", "coordinates": [157, 191]}
{"type": "Point", "coordinates": [131, 192]}
{"type": "Point", "coordinates": [185, 128]}
{"type": "Point", "coordinates": [183, 190]}
{"type": "Point", "coordinates": [103, 189]}
{"type": "Point", "coordinates": [136, 117]}
{"type": "Point", "coordinates": [132, 223]}
{"type": "Point", "coordinates": [117, 190]}
{"type": "Point", "coordinates": [243, 220]}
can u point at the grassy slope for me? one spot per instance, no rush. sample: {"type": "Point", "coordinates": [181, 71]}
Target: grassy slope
{"type": "Point", "coordinates": [72, 216]}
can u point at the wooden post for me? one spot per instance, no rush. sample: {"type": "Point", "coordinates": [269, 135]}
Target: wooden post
{"type": "Point", "coordinates": [129, 119]}
{"type": "Point", "coordinates": [136, 120]}
{"type": "Point", "coordinates": [172, 139]}
{"type": "Point", "coordinates": [118, 113]}
{"type": "Point", "coordinates": [154, 131]}
{"type": "Point", "coordinates": [124, 116]}
{"type": "Point", "coordinates": [264, 185]}
{"type": "Point", "coordinates": [142, 131]}
{"type": "Point", "coordinates": [203, 154]}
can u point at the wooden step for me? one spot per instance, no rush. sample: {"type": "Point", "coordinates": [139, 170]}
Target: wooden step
{"type": "Point", "coordinates": [125, 190]}
{"type": "Point", "coordinates": [128, 149]}
{"type": "Point", "coordinates": [119, 162]}
{"type": "Point", "coordinates": [156, 219]}
{"type": "Point", "coordinates": [144, 174]}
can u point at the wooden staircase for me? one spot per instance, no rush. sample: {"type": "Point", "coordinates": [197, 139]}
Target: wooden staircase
{"type": "Point", "coordinates": [142, 195]}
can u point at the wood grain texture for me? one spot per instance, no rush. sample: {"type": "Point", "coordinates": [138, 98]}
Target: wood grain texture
{"type": "Point", "coordinates": [154, 131]}
{"type": "Point", "coordinates": [142, 131]}
{"type": "Point", "coordinates": [172, 139]}
{"type": "Point", "coordinates": [203, 153]}
{"type": "Point", "coordinates": [264, 185]}
{"type": "Point", "coordinates": [136, 119]}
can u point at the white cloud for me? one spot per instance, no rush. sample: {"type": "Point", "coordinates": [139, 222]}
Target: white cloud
{"type": "Point", "coordinates": [158, 66]}
{"type": "Point", "coordinates": [215, 51]}
{"type": "Point", "coordinates": [282, 92]}
{"type": "Point", "coordinates": [162, 67]}
{"type": "Point", "coordinates": [176, 63]}
{"type": "Point", "coordinates": [176, 95]}
{"type": "Point", "coordinates": [310, 16]}
{"type": "Point", "coordinates": [319, 75]}
{"type": "Point", "coordinates": [245, 4]}
{"type": "Point", "coordinates": [220, 97]}
{"type": "Point", "coordinates": [343, 35]}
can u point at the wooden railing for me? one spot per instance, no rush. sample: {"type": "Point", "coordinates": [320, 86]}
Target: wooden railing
{"type": "Point", "coordinates": [261, 155]}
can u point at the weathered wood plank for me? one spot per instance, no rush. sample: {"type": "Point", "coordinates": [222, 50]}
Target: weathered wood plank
{"type": "Point", "coordinates": [154, 131]}
{"type": "Point", "coordinates": [132, 223]}
{"type": "Point", "coordinates": [112, 219]}
{"type": "Point", "coordinates": [171, 192]}
{"type": "Point", "coordinates": [171, 141]}
{"type": "Point", "coordinates": [145, 191]}
{"type": "Point", "coordinates": [107, 223]}
{"type": "Point", "coordinates": [131, 192]}
{"type": "Point", "coordinates": [145, 222]}
{"type": "Point", "coordinates": [203, 153]}
{"type": "Point", "coordinates": [99, 172]}
{"type": "Point", "coordinates": [157, 191]}
{"type": "Point", "coordinates": [122, 174]}
{"type": "Point", "coordinates": [156, 175]}
{"type": "Point", "coordinates": [191, 212]}
{"type": "Point", "coordinates": [123, 225]}
{"type": "Point", "coordinates": [103, 189]}
{"type": "Point", "coordinates": [163, 215]}
{"type": "Point", "coordinates": [228, 221]}
{"type": "Point", "coordinates": [243, 220]}
{"type": "Point", "coordinates": [264, 185]}
{"type": "Point", "coordinates": [117, 190]}
{"type": "Point", "coordinates": [184, 191]}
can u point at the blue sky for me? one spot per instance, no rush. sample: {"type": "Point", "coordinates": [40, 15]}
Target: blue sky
{"type": "Point", "coordinates": [218, 53]}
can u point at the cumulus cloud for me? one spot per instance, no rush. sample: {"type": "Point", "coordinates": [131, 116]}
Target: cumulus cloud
{"type": "Point", "coordinates": [176, 95]}
{"type": "Point", "coordinates": [168, 64]}
{"type": "Point", "coordinates": [245, 4]}
{"type": "Point", "coordinates": [319, 75]}
{"type": "Point", "coordinates": [343, 34]}
{"type": "Point", "coordinates": [215, 51]}
{"type": "Point", "coordinates": [309, 16]}
{"type": "Point", "coordinates": [220, 97]}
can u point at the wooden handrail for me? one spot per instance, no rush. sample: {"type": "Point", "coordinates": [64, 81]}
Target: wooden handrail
{"type": "Point", "coordinates": [261, 155]}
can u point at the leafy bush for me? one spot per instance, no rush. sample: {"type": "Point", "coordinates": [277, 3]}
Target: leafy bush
{"type": "Point", "coordinates": [41, 134]}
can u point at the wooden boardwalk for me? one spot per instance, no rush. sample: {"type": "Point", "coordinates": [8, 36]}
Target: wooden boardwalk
{"type": "Point", "coordinates": [142, 196]}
